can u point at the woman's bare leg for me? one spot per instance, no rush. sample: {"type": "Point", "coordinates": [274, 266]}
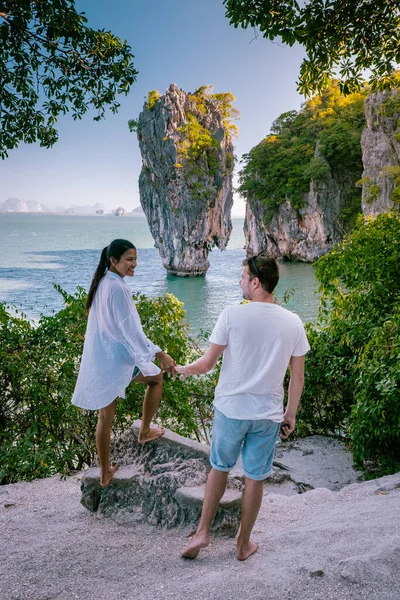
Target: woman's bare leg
{"type": "Point", "coordinates": [151, 401]}
{"type": "Point", "coordinates": [103, 436]}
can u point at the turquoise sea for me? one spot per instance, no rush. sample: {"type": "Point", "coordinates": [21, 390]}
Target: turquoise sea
{"type": "Point", "coordinates": [37, 251]}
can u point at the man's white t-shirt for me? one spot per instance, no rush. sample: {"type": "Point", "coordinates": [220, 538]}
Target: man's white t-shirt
{"type": "Point", "coordinates": [260, 339]}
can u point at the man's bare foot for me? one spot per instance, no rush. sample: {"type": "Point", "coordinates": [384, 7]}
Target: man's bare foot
{"type": "Point", "coordinates": [105, 478]}
{"type": "Point", "coordinates": [152, 433]}
{"type": "Point", "coordinates": [198, 542]}
{"type": "Point", "coordinates": [246, 550]}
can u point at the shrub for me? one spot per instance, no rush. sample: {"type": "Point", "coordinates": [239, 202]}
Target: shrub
{"type": "Point", "coordinates": [353, 374]}
{"type": "Point", "coordinates": [375, 417]}
{"type": "Point", "coordinates": [41, 432]}
{"type": "Point", "coordinates": [317, 170]}
{"type": "Point", "coordinates": [152, 99]}
{"type": "Point", "coordinates": [396, 195]}
{"type": "Point", "coordinates": [372, 189]}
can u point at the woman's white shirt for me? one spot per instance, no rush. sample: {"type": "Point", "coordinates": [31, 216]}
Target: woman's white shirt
{"type": "Point", "coordinates": [114, 344]}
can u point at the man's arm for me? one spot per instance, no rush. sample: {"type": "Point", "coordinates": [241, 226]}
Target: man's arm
{"type": "Point", "coordinates": [204, 364]}
{"type": "Point", "coordinates": [296, 366]}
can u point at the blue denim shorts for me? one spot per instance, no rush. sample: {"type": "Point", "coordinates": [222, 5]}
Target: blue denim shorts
{"type": "Point", "coordinates": [256, 440]}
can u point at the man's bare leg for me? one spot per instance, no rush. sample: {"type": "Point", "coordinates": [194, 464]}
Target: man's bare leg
{"type": "Point", "coordinates": [251, 503]}
{"type": "Point", "coordinates": [151, 401]}
{"type": "Point", "coordinates": [103, 435]}
{"type": "Point", "coordinates": [215, 488]}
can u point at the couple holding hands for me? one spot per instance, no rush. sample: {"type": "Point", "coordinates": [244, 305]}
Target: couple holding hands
{"type": "Point", "coordinates": [258, 341]}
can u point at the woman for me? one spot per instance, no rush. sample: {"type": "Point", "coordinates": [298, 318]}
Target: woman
{"type": "Point", "coordinates": [116, 351]}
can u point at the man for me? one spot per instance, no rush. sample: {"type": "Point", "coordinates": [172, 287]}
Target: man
{"type": "Point", "coordinates": [258, 342]}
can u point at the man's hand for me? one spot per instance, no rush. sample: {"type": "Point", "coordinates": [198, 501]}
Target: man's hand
{"type": "Point", "coordinates": [167, 363]}
{"type": "Point", "coordinates": [287, 426]}
{"type": "Point", "coordinates": [183, 371]}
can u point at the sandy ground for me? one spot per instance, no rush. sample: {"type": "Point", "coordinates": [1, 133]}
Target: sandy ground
{"type": "Point", "coordinates": [321, 545]}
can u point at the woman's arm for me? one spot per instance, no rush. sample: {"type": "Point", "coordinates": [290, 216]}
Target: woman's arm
{"type": "Point", "coordinates": [167, 363]}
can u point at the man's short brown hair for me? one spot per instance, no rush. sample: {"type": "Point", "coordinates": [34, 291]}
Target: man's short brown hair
{"type": "Point", "coordinates": [265, 268]}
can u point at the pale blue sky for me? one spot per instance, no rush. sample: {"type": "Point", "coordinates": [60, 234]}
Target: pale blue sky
{"type": "Point", "coordinates": [187, 42]}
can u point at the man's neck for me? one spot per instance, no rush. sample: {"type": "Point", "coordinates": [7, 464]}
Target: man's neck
{"type": "Point", "coordinates": [263, 296]}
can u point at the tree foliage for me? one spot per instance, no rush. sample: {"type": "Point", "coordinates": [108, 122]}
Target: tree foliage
{"type": "Point", "coordinates": [281, 167]}
{"type": "Point", "coordinates": [152, 98]}
{"type": "Point", "coordinates": [341, 38]}
{"type": "Point", "coordinates": [353, 369]}
{"type": "Point", "coordinates": [41, 432]}
{"type": "Point", "coordinates": [51, 62]}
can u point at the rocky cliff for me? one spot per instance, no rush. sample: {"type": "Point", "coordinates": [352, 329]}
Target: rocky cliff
{"type": "Point", "coordinates": [186, 180]}
{"type": "Point", "coordinates": [381, 152]}
{"type": "Point", "coordinates": [302, 234]}
{"type": "Point", "coordinates": [328, 209]}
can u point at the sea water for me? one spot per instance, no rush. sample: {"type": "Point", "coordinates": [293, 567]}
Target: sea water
{"type": "Point", "coordinates": [37, 251]}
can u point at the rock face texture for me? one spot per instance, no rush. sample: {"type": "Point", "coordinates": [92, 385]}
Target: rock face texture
{"type": "Point", "coordinates": [381, 149]}
{"type": "Point", "coordinates": [302, 234]}
{"type": "Point", "coordinates": [187, 202]}
{"type": "Point", "coordinates": [161, 483]}
{"type": "Point", "coordinates": [307, 233]}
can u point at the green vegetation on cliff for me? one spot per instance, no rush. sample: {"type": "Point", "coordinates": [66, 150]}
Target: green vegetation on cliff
{"type": "Point", "coordinates": [322, 139]}
{"type": "Point", "coordinates": [199, 147]}
{"type": "Point", "coordinates": [199, 144]}
{"type": "Point", "coordinates": [152, 98]}
{"type": "Point", "coordinates": [394, 175]}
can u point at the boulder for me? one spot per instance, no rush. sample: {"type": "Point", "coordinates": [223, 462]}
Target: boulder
{"type": "Point", "coordinates": [161, 483]}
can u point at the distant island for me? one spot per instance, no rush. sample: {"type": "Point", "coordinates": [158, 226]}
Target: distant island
{"type": "Point", "coordinates": [15, 205]}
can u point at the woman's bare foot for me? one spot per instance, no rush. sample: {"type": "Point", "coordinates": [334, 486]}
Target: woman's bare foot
{"type": "Point", "coordinates": [198, 542]}
{"type": "Point", "coordinates": [246, 550]}
{"type": "Point", "coordinates": [152, 433]}
{"type": "Point", "coordinates": [106, 477]}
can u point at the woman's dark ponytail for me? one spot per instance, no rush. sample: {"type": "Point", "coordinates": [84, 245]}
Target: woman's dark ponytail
{"type": "Point", "coordinates": [97, 277]}
{"type": "Point", "coordinates": [116, 249]}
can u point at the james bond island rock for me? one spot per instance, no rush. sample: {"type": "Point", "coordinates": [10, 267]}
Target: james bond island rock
{"type": "Point", "coordinates": [186, 180]}
{"type": "Point", "coordinates": [381, 153]}
{"type": "Point", "coordinates": [300, 181]}
{"type": "Point", "coordinates": [160, 483]}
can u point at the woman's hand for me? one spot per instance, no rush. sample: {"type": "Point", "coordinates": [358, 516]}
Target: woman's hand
{"type": "Point", "coordinates": [167, 363]}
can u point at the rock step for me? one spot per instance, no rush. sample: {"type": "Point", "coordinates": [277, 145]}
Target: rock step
{"type": "Point", "coordinates": [176, 442]}
{"type": "Point", "coordinates": [124, 475]}
{"type": "Point", "coordinates": [227, 520]}
{"type": "Point", "coordinates": [195, 494]}
{"type": "Point", "coordinates": [134, 496]}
